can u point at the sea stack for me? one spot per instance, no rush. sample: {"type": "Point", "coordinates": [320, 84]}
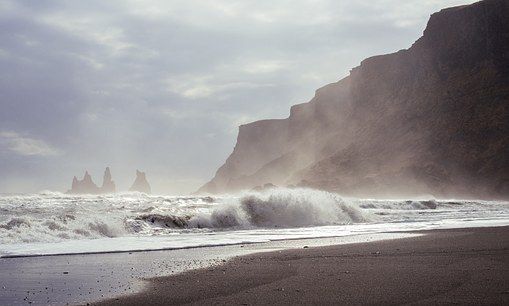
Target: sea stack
{"type": "Point", "coordinates": [140, 183]}
{"type": "Point", "coordinates": [108, 184]}
{"type": "Point", "coordinates": [86, 185]}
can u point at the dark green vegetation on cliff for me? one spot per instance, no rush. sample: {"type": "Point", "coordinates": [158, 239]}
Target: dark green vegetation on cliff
{"type": "Point", "coordinates": [432, 119]}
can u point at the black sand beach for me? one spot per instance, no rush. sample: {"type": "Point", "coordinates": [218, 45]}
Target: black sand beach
{"type": "Point", "coordinates": [87, 278]}
{"type": "Point", "coordinates": [460, 266]}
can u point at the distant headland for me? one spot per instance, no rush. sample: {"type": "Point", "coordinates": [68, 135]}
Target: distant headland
{"type": "Point", "coordinates": [87, 186]}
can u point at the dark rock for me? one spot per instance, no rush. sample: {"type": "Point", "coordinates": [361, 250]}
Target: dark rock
{"type": "Point", "coordinates": [429, 120]}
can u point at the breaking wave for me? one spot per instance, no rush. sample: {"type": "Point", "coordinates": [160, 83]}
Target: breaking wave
{"type": "Point", "coordinates": [54, 217]}
{"type": "Point", "coordinates": [279, 208]}
{"type": "Point", "coordinates": [282, 208]}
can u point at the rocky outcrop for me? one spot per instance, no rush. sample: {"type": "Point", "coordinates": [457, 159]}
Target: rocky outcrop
{"type": "Point", "coordinates": [108, 184]}
{"type": "Point", "coordinates": [84, 186]}
{"type": "Point", "coordinates": [140, 183]}
{"type": "Point", "coordinates": [432, 119]}
{"type": "Point", "coordinates": [87, 186]}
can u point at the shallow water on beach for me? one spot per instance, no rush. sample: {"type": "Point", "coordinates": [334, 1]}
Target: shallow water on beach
{"type": "Point", "coordinates": [55, 223]}
{"type": "Point", "coordinates": [85, 278]}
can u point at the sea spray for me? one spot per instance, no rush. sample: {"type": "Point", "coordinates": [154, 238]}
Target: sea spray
{"type": "Point", "coordinates": [55, 217]}
{"type": "Point", "coordinates": [282, 207]}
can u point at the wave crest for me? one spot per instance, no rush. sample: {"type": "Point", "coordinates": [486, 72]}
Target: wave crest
{"type": "Point", "coordinates": [282, 208]}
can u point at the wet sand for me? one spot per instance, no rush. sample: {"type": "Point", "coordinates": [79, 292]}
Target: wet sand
{"type": "Point", "coordinates": [85, 278]}
{"type": "Point", "coordinates": [459, 266]}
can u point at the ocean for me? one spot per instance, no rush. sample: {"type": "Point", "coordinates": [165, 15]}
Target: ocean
{"type": "Point", "coordinates": [50, 223]}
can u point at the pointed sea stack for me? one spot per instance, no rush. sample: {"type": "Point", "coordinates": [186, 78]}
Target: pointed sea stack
{"type": "Point", "coordinates": [86, 185]}
{"type": "Point", "coordinates": [108, 184]}
{"type": "Point", "coordinates": [140, 183]}
{"type": "Point", "coordinates": [74, 183]}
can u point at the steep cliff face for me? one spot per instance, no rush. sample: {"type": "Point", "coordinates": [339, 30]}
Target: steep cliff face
{"type": "Point", "coordinates": [257, 143]}
{"type": "Point", "coordinates": [433, 119]}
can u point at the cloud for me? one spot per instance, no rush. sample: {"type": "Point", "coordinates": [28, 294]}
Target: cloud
{"type": "Point", "coordinates": [207, 86]}
{"type": "Point", "coordinates": [26, 146]}
{"type": "Point", "coordinates": [264, 66]}
{"type": "Point", "coordinates": [161, 84]}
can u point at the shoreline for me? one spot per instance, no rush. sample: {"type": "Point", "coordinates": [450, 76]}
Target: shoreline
{"type": "Point", "coordinates": [107, 278]}
{"type": "Point", "coordinates": [247, 243]}
{"type": "Point", "coordinates": [131, 244]}
{"type": "Point", "coordinates": [79, 279]}
{"type": "Point", "coordinates": [465, 266]}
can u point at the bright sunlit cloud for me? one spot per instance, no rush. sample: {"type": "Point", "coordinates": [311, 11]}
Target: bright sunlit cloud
{"type": "Point", "coordinates": [26, 146]}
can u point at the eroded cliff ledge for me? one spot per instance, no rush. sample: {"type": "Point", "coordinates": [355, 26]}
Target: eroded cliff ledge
{"type": "Point", "coordinates": [432, 119]}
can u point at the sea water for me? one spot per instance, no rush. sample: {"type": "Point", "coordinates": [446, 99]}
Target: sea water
{"type": "Point", "coordinates": [51, 223]}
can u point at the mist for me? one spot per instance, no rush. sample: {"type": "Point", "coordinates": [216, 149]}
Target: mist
{"type": "Point", "coordinates": [163, 86]}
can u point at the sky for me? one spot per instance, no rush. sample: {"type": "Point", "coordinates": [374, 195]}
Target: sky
{"type": "Point", "coordinates": [162, 86]}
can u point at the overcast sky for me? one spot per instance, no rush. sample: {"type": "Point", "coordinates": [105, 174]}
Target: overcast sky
{"type": "Point", "coordinates": [163, 85]}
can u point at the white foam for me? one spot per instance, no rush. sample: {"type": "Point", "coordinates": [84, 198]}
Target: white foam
{"type": "Point", "coordinates": [52, 222]}
{"type": "Point", "coordinates": [282, 208]}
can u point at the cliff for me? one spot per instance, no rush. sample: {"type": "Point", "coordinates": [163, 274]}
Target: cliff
{"type": "Point", "coordinates": [432, 119]}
